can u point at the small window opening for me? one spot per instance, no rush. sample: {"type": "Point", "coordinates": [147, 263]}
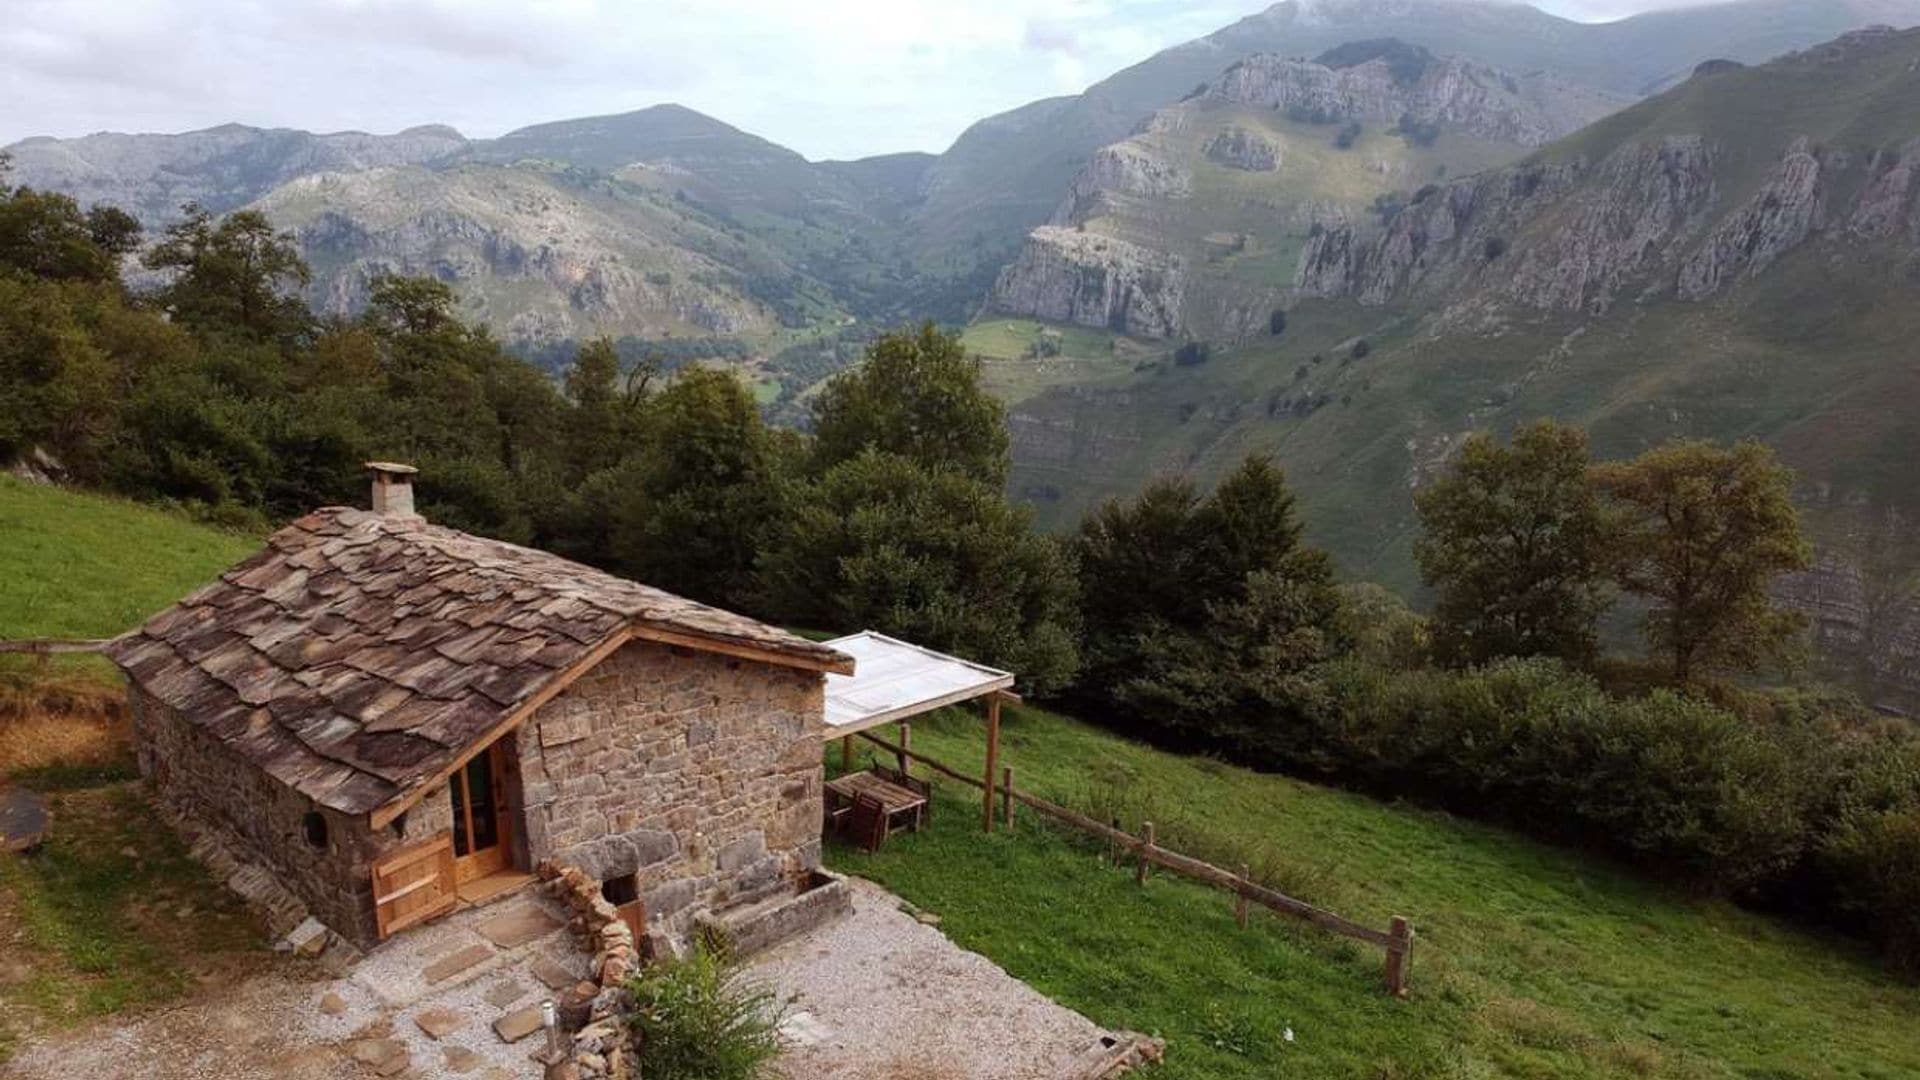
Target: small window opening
{"type": "Point", "coordinates": [621, 890]}
{"type": "Point", "coordinates": [315, 826]}
{"type": "Point", "coordinates": [399, 826]}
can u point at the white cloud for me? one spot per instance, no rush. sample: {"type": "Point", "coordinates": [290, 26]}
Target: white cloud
{"type": "Point", "coordinates": [842, 78]}
{"type": "Point", "coordinates": [837, 79]}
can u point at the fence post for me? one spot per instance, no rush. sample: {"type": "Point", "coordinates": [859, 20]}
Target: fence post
{"type": "Point", "coordinates": [1240, 896]}
{"type": "Point", "coordinates": [1399, 956]}
{"type": "Point", "coordinates": [1146, 845]}
{"type": "Point", "coordinates": [1113, 853]}
{"type": "Point", "coordinates": [906, 744]}
{"type": "Point", "coordinates": [1006, 797]}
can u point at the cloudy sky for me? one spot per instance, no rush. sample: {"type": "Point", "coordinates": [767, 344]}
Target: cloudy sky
{"type": "Point", "coordinates": [830, 78]}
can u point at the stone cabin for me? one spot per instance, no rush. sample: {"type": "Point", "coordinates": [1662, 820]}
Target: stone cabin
{"type": "Point", "coordinates": [393, 718]}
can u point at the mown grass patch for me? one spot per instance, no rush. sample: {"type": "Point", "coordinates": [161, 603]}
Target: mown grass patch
{"type": "Point", "coordinates": [78, 565]}
{"type": "Point", "coordinates": [110, 914]}
{"type": "Point", "coordinates": [1530, 962]}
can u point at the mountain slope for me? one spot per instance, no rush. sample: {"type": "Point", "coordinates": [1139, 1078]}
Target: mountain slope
{"type": "Point", "coordinates": [1004, 175]}
{"type": "Point", "coordinates": [1191, 226]}
{"type": "Point", "coordinates": [1739, 257]}
{"type": "Point", "coordinates": [221, 168]}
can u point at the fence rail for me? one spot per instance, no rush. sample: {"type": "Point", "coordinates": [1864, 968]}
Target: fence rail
{"type": "Point", "coordinates": [54, 646]}
{"type": "Point", "coordinates": [1397, 940]}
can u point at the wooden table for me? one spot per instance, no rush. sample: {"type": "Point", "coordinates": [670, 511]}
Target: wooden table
{"type": "Point", "coordinates": [897, 801]}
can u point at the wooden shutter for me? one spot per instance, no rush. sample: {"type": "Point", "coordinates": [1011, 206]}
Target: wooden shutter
{"type": "Point", "coordinates": [414, 884]}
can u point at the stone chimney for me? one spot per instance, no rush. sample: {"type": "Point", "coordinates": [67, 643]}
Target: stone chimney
{"type": "Point", "coordinates": [392, 488]}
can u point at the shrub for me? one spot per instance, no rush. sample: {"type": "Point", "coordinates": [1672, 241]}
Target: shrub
{"type": "Point", "coordinates": [1361, 349]}
{"type": "Point", "coordinates": [1192, 354]}
{"type": "Point", "coordinates": [699, 1019]}
{"type": "Point", "coordinates": [1671, 782]}
{"type": "Point", "coordinates": [1494, 248]}
{"type": "Point", "coordinates": [1277, 322]}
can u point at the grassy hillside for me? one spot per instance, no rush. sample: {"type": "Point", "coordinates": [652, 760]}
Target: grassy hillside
{"type": "Point", "coordinates": [76, 565]}
{"type": "Point", "coordinates": [1530, 962]}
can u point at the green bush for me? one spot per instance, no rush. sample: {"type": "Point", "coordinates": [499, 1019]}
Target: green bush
{"type": "Point", "coordinates": [1670, 782]}
{"type": "Point", "coordinates": [700, 1019]}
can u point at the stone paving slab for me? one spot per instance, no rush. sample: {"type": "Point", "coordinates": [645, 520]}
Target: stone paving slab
{"type": "Point", "coordinates": [517, 926]}
{"type": "Point", "coordinates": [517, 1025]}
{"type": "Point", "coordinates": [454, 963]}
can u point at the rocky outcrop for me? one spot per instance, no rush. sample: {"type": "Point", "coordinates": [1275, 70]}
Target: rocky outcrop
{"type": "Point", "coordinates": [1130, 169]}
{"type": "Point", "coordinates": [1780, 216]}
{"type": "Point", "coordinates": [1238, 148]}
{"type": "Point", "coordinates": [1887, 204]}
{"type": "Point", "coordinates": [1610, 224]}
{"type": "Point", "coordinates": [1067, 275]}
{"type": "Point", "coordinates": [1472, 98]}
{"type": "Point", "coordinates": [536, 258]}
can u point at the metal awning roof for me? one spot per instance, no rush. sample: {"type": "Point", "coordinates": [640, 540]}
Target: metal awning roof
{"type": "Point", "coordinates": [893, 680]}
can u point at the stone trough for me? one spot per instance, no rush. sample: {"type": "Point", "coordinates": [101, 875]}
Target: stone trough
{"type": "Point", "coordinates": [821, 898]}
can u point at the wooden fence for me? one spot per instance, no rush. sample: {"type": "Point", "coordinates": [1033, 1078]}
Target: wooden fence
{"type": "Point", "coordinates": [53, 646]}
{"type": "Point", "coordinates": [1397, 939]}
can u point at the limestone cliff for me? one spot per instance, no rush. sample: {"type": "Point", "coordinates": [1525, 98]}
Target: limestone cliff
{"type": "Point", "coordinates": [530, 254]}
{"type": "Point", "coordinates": [1081, 277]}
{"type": "Point", "coordinates": [1531, 109]}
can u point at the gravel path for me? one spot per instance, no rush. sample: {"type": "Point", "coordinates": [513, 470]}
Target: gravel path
{"type": "Point", "coordinates": [295, 1024]}
{"type": "Point", "coordinates": [880, 996]}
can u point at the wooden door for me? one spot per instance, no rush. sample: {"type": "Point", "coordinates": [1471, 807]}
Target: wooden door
{"type": "Point", "coordinates": [413, 885]}
{"type": "Point", "coordinates": [482, 826]}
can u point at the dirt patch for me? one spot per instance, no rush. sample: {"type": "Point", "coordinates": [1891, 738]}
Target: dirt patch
{"type": "Point", "coordinates": [60, 723]}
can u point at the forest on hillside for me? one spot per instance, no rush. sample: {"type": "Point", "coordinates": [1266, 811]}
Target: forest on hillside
{"type": "Point", "coordinates": [1198, 619]}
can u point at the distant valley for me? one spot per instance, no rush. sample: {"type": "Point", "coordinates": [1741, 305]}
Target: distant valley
{"type": "Point", "coordinates": [1349, 232]}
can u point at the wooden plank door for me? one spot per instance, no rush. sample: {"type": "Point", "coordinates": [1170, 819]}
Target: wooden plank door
{"type": "Point", "coordinates": [482, 825]}
{"type": "Point", "coordinates": [413, 885]}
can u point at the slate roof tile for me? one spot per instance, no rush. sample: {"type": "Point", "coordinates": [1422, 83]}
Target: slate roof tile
{"type": "Point", "coordinates": [356, 656]}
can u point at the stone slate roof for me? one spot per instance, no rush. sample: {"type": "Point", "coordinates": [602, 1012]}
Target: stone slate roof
{"type": "Point", "coordinates": [358, 655]}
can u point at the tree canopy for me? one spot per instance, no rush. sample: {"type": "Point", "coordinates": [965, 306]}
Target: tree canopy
{"type": "Point", "coordinates": [1515, 546]}
{"type": "Point", "coordinates": [1705, 532]}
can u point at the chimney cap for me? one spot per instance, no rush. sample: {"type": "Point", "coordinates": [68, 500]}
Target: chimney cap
{"type": "Point", "coordinates": [393, 467]}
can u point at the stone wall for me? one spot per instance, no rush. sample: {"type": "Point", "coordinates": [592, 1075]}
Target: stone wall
{"type": "Point", "coordinates": [197, 776]}
{"type": "Point", "coordinates": [697, 774]}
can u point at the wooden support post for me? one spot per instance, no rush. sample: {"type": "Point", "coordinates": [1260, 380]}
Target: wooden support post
{"type": "Point", "coordinates": [993, 761]}
{"type": "Point", "coordinates": [846, 754]}
{"type": "Point", "coordinates": [1146, 846]}
{"type": "Point", "coordinates": [1240, 902]}
{"type": "Point", "coordinates": [1399, 956]}
{"type": "Point", "coordinates": [1006, 797]}
{"type": "Point", "coordinates": [906, 747]}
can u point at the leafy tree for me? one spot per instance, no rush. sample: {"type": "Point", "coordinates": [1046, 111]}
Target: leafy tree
{"type": "Point", "coordinates": [602, 418]}
{"type": "Point", "coordinates": [236, 274]}
{"type": "Point", "coordinates": [918, 395]}
{"type": "Point", "coordinates": [1515, 547]}
{"type": "Point", "coordinates": [691, 510]}
{"type": "Point", "coordinates": [46, 235]}
{"type": "Point", "coordinates": [933, 556]}
{"type": "Point", "coordinates": [1706, 530]}
{"type": "Point", "coordinates": [1277, 322]}
{"type": "Point", "coordinates": [415, 306]}
{"type": "Point", "coordinates": [1202, 615]}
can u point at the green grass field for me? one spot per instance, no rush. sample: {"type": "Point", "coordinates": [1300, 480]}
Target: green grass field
{"type": "Point", "coordinates": [111, 914]}
{"type": "Point", "coordinates": [74, 565]}
{"type": "Point", "coordinates": [1530, 961]}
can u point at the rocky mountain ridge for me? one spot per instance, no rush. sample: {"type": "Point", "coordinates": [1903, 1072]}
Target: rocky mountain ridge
{"type": "Point", "coordinates": [1288, 123]}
